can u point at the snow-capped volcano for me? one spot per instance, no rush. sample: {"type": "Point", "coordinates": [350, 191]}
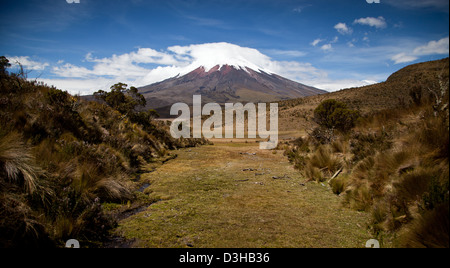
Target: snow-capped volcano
{"type": "Point", "coordinates": [227, 81]}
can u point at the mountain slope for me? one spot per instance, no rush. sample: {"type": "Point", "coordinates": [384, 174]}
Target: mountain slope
{"type": "Point", "coordinates": [222, 84]}
{"type": "Point", "coordinates": [394, 93]}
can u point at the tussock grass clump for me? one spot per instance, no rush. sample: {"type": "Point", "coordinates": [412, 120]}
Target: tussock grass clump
{"type": "Point", "coordinates": [17, 163]}
{"type": "Point", "coordinates": [90, 183]}
{"type": "Point", "coordinates": [339, 184]}
{"type": "Point", "coordinates": [324, 159]}
{"type": "Point", "coordinates": [19, 226]}
{"type": "Point", "coordinates": [322, 164]}
{"type": "Point", "coordinates": [340, 146]}
{"type": "Point", "coordinates": [430, 230]}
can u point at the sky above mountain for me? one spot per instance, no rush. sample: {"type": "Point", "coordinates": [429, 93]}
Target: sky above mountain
{"type": "Point", "coordinates": [86, 46]}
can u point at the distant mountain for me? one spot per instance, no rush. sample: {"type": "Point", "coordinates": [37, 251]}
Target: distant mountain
{"type": "Point", "coordinates": [224, 84]}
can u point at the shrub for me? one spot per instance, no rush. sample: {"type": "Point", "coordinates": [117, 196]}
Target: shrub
{"type": "Point", "coordinates": [333, 114]}
{"type": "Point", "coordinates": [122, 99]}
{"type": "Point", "coordinates": [302, 145]}
{"type": "Point", "coordinates": [322, 135]}
{"type": "Point", "coordinates": [366, 145]}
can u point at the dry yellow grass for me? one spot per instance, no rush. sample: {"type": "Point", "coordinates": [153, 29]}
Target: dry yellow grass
{"type": "Point", "coordinates": [225, 196]}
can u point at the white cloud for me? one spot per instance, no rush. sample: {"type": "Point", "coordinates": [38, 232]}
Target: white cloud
{"type": "Point", "coordinates": [379, 22]}
{"type": "Point", "coordinates": [403, 58]}
{"type": "Point", "coordinates": [289, 53]}
{"type": "Point", "coordinates": [327, 47]}
{"type": "Point", "coordinates": [433, 47]}
{"type": "Point", "coordinates": [343, 29]}
{"type": "Point", "coordinates": [72, 71]}
{"type": "Point", "coordinates": [300, 9]}
{"type": "Point", "coordinates": [335, 85]}
{"type": "Point", "coordinates": [316, 42]}
{"type": "Point", "coordinates": [81, 86]}
{"type": "Point", "coordinates": [440, 47]}
{"type": "Point", "coordinates": [27, 63]}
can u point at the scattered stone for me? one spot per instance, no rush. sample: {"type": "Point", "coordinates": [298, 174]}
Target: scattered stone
{"type": "Point", "coordinates": [285, 177]}
{"type": "Point", "coordinates": [248, 153]}
{"type": "Point", "coordinates": [143, 187]}
{"type": "Point", "coordinates": [249, 169]}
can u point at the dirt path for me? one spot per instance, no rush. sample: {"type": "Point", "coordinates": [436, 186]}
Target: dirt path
{"type": "Point", "coordinates": [235, 195]}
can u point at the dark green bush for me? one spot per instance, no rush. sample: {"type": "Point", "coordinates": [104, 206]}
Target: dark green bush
{"type": "Point", "coordinates": [333, 114]}
{"type": "Point", "coordinates": [365, 145]}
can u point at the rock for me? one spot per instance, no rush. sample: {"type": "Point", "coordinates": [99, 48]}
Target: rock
{"type": "Point", "coordinates": [285, 177]}
{"type": "Point", "coordinates": [247, 153]}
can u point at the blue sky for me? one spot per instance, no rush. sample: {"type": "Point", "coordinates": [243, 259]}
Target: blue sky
{"type": "Point", "coordinates": [86, 46]}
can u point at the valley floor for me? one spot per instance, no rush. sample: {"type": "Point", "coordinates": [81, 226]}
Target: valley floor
{"type": "Point", "coordinates": [233, 195]}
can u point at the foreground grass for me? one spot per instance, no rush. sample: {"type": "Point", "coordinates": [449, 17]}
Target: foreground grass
{"type": "Point", "coordinates": [224, 196]}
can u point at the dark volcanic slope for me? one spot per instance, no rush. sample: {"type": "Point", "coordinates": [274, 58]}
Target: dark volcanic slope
{"type": "Point", "coordinates": [224, 85]}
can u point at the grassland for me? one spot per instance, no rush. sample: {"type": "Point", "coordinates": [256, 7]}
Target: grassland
{"type": "Point", "coordinates": [235, 195]}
